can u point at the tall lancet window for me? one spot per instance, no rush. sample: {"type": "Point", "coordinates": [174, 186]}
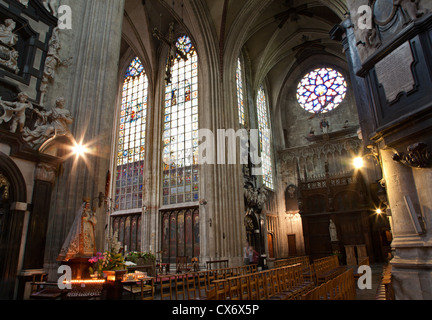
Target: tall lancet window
{"type": "Point", "coordinates": [240, 95]}
{"type": "Point", "coordinates": [180, 135]}
{"type": "Point", "coordinates": [265, 138]}
{"type": "Point", "coordinates": [131, 139]}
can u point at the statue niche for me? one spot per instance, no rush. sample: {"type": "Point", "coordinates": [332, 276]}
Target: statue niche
{"type": "Point", "coordinates": [291, 200]}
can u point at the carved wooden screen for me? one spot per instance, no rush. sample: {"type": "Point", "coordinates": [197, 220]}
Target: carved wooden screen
{"type": "Point", "coordinates": [180, 234]}
{"type": "Point", "coordinates": [128, 228]}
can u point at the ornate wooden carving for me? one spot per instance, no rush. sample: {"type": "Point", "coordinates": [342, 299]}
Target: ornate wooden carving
{"type": "Point", "coordinates": [4, 187]}
{"type": "Point", "coordinates": [419, 156]}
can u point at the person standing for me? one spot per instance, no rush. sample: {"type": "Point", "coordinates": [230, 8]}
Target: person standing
{"type": "Point", "coordinates": [246, 253]}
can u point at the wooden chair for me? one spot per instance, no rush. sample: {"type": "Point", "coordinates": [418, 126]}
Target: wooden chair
{"type": "Point", "coordinates": [148, 290]}
{"type": "Point", "coordinates": [194, 265]}
{"type": "Point", "coordinates": [202, 283]}
{"type": "Point", "coordinates": [261, 283]}
{"type": "Point", "coordinates": [221, 289]}
{"type": "Point", "coordinates": [180, 289]}
{"type": "Point", "coordinates": [191, 286]}
{"type": "Point", "coordinates": [181, 264]}
{"type": "Point", "coordinates": [244, 287]}
{"type": "Point", "coordinates": [166, 287]}
{"type": "Point", "coordinates": [234, 288]}
{"type": "Point", "coordinates": [268, 285]}
{"type": "Point", "coordinates": [253, 287]}
{"type": "Point", "coordinates": [210, 276]}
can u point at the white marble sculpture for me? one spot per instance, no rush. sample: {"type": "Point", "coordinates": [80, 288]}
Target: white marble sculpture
{"type": "Point", "coordinates": [8, 39]}
{"type": "Point", "coordinates": [15, 112]}
{"type": "Point", "coordinates": [333, 231]}
{"type": "Point", "coordinates": [52, 123]}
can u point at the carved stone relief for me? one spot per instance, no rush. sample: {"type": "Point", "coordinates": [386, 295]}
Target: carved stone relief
{"type": "Point", "coordinates": [389, 17]}
{"type": "Point", "coordinates": [8, 39]}
{"type": "Point", "coordinates": [310, 162]}
{"type": "Point", "coordinates": [46, 172]}
{"type": "Point", "coordinates": [255, 198]}
{"type": "Point", "coordinates": [52, 63]}
{"type": "Point", "coordinates": [411, 9]}
{"type": "Point", "coordinates": [50, 123]}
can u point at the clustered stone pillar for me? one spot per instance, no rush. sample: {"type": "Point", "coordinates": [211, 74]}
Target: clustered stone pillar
{"type": "Point", "coordinates": [90, 87]}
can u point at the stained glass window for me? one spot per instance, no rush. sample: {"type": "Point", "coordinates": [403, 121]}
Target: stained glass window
{"type": "Point", "coordinates": [131, 139]}
{"type": "Point", "coordinates": [240, 94]}
{"type": "Point", "coordinates": [321, 90]}
{"type": "Point", "coordinates": [180, 134]}
{"type": "Point", "coordinates": [265, 138]}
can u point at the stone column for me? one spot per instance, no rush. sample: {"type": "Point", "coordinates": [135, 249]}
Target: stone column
{"type": "Point", "coordinates": [90, 88]}
{"type": "Point", "coordinates": [412, 262]}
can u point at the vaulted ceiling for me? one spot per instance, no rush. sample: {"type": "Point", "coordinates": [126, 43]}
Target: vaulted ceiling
{"type": "Point", "coordinates": [276, 35]}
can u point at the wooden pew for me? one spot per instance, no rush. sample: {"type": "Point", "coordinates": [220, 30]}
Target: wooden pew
{"type": "Point", "coordinates": [342, 287]}
{"type": "Point", "coordinates": [285, 283]}
{"type": "Point", "coordinates": [327, 268]}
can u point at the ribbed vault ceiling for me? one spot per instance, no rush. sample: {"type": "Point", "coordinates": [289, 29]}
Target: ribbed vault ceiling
{"type": "Point", "coordinates": [276, 35]}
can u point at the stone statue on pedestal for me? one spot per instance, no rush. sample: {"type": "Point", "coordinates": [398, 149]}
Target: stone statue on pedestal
{"type": "Point", "coordinates": [333, 231]}
{"type": "Point", "coordinates": [81, 238]}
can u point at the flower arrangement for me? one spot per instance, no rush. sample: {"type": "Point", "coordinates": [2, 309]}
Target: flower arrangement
{"type": "Point", "coordinates": [110, 260]}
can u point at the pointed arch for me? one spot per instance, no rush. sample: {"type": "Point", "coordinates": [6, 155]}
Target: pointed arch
{"type": "Point", "coordinates": [180, 127]}
{"type": "Point", "coordinates": [131, 138]}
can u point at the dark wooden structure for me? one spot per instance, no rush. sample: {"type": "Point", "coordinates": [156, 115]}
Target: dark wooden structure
{"type": "Point", "coordinates": [342, 199]}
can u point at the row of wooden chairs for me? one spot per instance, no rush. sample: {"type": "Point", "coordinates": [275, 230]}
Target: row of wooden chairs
{"type": "Point", "coordinates": [197, 285]}
{"type": "Point", "coordinates": [284, 283]}
{"type": "Point", "coordinates": [342, 287]}
{"type": "Point", "coordinates": [325, 269]}
{"type": "Point", "coordinates": [303, 260]}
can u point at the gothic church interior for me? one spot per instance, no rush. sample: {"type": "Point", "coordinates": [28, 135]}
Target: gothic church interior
{"type": "Point", "coordinates": [188, 132]}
